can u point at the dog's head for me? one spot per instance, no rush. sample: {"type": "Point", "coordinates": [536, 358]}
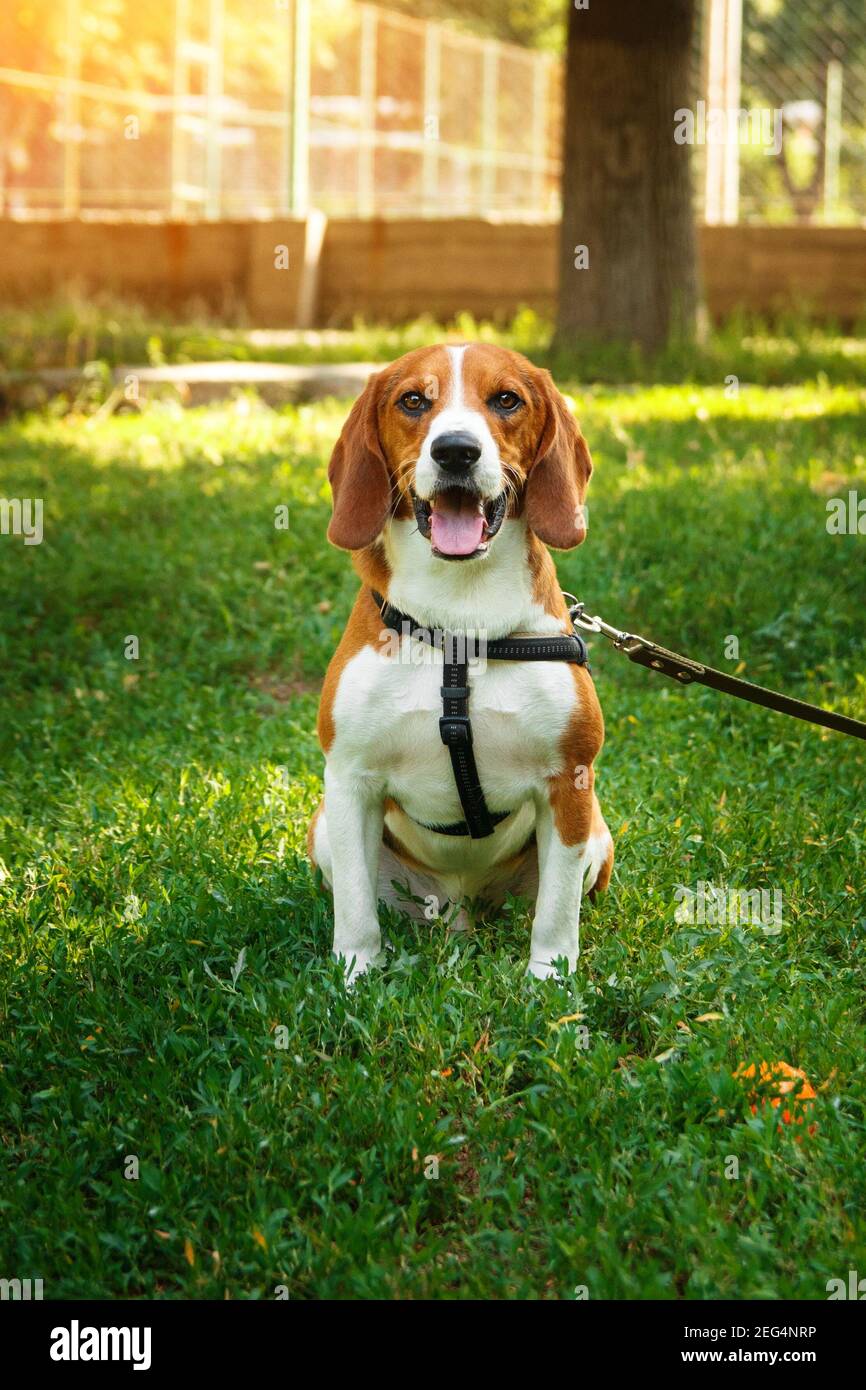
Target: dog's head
{"type": "Point", "coordinates": [461, 437]}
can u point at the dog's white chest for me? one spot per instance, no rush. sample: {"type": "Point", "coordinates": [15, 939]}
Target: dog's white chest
{"type": "Point", "coordinates": [387, 712]}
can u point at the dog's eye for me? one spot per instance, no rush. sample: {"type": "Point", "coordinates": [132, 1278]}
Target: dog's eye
{"type": "Point", "coordinates": [413, 402]}
{"type": "Point", "coordinates": [506, 402]}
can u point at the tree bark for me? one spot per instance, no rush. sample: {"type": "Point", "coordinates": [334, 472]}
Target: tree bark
{"type": "Point", "coordinates": [627, 193]}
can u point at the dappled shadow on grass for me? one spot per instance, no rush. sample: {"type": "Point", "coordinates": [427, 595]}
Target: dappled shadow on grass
{"type": "Point", "coordinates": [699, 531]}
{"type": "Point", "coordinates": [192, 555]}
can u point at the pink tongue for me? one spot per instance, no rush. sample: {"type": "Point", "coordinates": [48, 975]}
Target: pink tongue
{"type": "Point", "coordinates": [456, 533]}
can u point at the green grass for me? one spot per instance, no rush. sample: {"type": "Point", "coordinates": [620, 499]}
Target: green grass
{"type": "Point", "coordinates": [74, 333]}
{"type": "Point", "coordinates": [160, 923]}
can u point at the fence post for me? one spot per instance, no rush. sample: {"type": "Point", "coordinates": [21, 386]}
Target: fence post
{"type": "Point", "coordinates": [298, 134]}
{"type": "Point", "coordinates": [489, 123]}
{"type": "Point", "coordinates": [180, 92]}
{"type": "Point", "coordinates": [539, 128]}
{"type": "Point", "coordinates": [722, 161]}
{"type": "Point", "coordinates": [733, 59]}
{"type": "Point", "coordinates": [367, 147]}
{"type": "Point", "coordinates": [213, 149]}
{"type": "Point", "coordinates": [832, 138]}
{"type": "Point", "coordinates": [714, 12]}
{"type": "Point", "coordinates": [432, 117]}
{"type": "Point", "coordinates": [283, 199]}
{"type": "Point", "coordinates": [308, 282]}
{"type": "Point", "coordinates": [72, 112]}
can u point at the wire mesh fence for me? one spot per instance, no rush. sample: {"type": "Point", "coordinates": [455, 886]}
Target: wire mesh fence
{"type": "Point", "coordinates": [194, 110]}
{"type": "Point", "coordinates": [806, 61]}
{"type": "Point", "coordinates": [180, 109]}
{"type": "Point", "coordinates": [407, 116]}
{"type": "Point", "coordinates": [258, 108]}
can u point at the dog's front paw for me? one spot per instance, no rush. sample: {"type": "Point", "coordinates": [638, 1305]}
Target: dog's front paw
{"type": "Point", "coordinates": [549, 969]}
{"type": "Point", "coordinates": [357, 964]}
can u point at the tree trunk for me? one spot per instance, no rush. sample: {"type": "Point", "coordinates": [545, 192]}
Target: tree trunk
{"type": "Point", "coordinates": [627, 193]}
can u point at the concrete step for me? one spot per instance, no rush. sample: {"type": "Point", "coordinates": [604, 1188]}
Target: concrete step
{"type": "Point", "coordinates": [193, 383]}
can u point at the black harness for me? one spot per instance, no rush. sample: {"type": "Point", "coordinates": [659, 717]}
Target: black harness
{"type": "Point", "coordinates": [455, 728]}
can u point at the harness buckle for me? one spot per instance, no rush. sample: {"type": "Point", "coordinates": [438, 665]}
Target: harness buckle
{"type": "Point", "coordinates": [455, 730]}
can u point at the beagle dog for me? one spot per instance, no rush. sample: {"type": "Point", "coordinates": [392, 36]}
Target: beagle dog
{"type": "Point", "coordinates": [455, 469]}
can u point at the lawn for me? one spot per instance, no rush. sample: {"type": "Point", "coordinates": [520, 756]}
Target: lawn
{"type": "Point", "coordinates": [191, 1105]}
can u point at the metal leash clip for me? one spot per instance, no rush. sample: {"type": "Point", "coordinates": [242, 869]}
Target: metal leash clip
{"type": "Point", "coordinates": [627, 641]}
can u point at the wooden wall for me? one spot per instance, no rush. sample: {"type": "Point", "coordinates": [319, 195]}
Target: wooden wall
{"type": "Point", "coordinates": [819, 270]}
{"type": "Point", "coordinates": [167, 266]}
{"type": "Point", "coordinates": [388, 270]}
{"type": "Point", "coordinates": [391, 270]}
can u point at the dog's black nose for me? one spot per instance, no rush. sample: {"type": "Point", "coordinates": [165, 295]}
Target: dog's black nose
{"type": "Point", "coordinates": [456, 452]}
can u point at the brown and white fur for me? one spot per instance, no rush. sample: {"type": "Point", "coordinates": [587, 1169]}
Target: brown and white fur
{"type": "Point", "coordinates": [537, 726]}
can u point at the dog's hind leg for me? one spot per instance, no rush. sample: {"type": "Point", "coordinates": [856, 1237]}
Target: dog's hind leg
{"type": "Point", "coordinates": [323, 851]}
{"type": "Point", "coordinates": [407, 888]}
{"type": "Point", "coordinates": [599, 853]}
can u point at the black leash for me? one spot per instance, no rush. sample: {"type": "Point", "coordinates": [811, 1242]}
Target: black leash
{"type": "Point", "coordinates": [688, 672]}
{"type": "Point", "coordinates": [455, 728]}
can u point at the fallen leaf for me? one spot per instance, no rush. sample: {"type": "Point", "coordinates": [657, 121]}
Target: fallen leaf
{"type": "Point", "coordinates": [188, 1251]}
{"type": "Point", "coordinates": [775, 1081]}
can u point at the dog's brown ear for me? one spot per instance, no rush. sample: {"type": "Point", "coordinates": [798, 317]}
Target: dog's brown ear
{"type": "Point", "coordinates": [358, 476]}
{"type": "Point", "coordinates": [558, 478]}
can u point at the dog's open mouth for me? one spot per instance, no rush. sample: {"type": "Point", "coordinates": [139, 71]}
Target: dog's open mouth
{"type": "Point", "coordinates": [458, 523]}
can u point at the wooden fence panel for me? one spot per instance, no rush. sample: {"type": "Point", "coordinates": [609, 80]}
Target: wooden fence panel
{"type": "Point", "coordinates": [387, 270]}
